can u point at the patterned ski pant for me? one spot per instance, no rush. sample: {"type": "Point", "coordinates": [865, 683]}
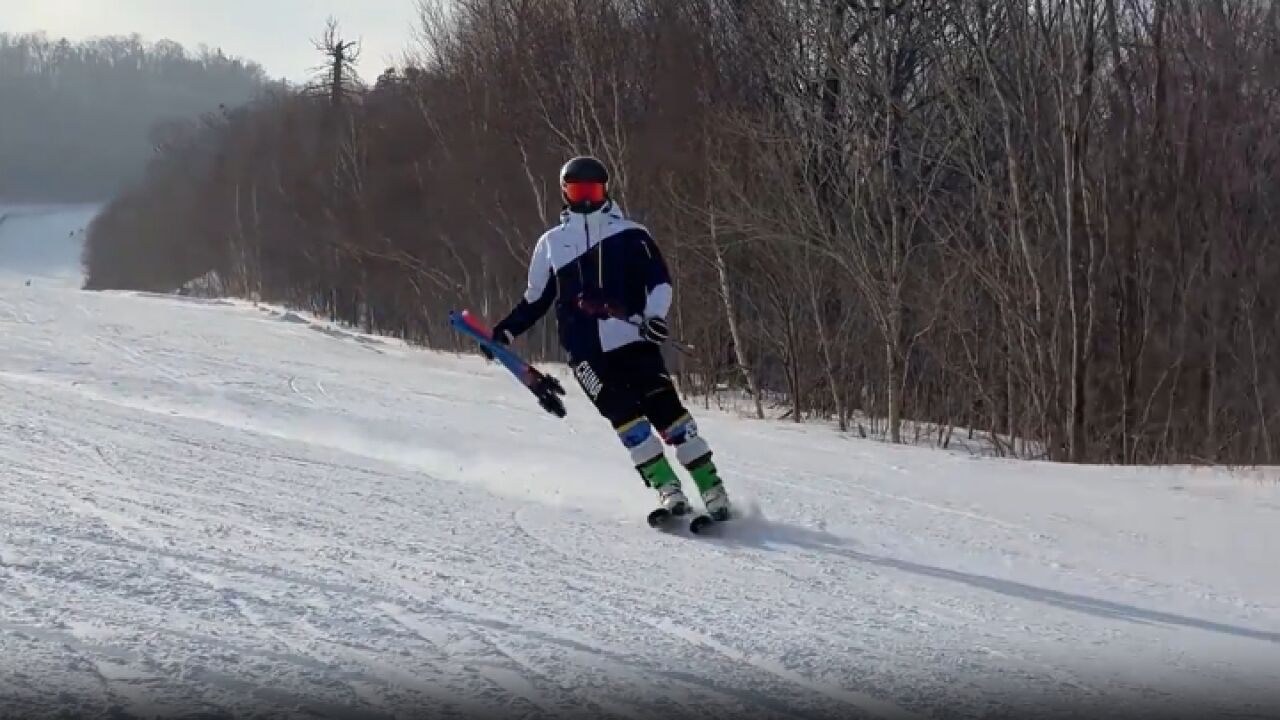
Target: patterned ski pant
{"type": "Point", "coordinates": [632, 389]}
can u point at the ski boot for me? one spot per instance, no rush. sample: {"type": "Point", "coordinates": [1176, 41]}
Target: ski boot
{"type": "Point", "coordinates": [716, 501]}
{"type": "Point", "coordinates": [673, 499]}
{"type": "Point", "coordinates": [672, 504]}
{"type": "Point", "coordinates": [659, 474]}
{"type": "Point", "coordinates": [714, 496]}
{"type": "Point", "coordinates": [694, 453]}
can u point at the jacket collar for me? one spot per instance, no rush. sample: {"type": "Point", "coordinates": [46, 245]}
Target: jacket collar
{"type": "Point", "coordinates": [594, 223]}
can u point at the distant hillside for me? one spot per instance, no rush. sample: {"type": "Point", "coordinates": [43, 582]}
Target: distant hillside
{"type": "Point", "coordinates": [80, 120]}
{"type": "Point", "coordinates": [43, 243]}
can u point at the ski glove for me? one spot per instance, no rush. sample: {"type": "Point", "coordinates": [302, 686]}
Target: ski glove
{"type": "Point", "coordinates": [654, 330]}
{"type": "Point", "coordinates": [501, 336]}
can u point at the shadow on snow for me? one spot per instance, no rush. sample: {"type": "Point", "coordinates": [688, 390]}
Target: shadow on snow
{"type": "Point", "coordinates": [758, 532]}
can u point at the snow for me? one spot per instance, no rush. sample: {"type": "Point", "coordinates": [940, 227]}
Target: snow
{"type": "Point", "coordinates": [42, 243]}
{"type": "Point", "coordinates": [213, 509]}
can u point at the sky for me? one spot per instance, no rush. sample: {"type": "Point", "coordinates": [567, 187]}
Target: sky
{"type": "Point", "coordinates": [277, 34]}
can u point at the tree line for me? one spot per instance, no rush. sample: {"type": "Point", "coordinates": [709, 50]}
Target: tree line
{"type": "Point", "coordinates": [75, 117]}
{"type": "Point", "coordinates": [1051, 221]}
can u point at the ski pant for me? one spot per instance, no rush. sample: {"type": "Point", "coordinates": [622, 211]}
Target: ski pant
{"type": "Point", "coordinates": [631, 388]}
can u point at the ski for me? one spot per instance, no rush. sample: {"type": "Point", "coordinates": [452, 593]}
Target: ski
{"type": "Point", "coordinates": [544, 387]}
{"type": "Point", "coordinates": [660, 518]}
{"type": "Point", "coordinates": [664, 519]}
{"type": "Point", "coordinates": [701, 523]}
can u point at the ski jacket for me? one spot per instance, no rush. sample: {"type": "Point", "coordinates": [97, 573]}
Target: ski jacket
{"type": "Point", "coordinates": [593, 260]}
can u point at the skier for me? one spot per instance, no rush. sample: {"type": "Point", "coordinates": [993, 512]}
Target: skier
{"type": "Point", "coordinates": [612, 292]}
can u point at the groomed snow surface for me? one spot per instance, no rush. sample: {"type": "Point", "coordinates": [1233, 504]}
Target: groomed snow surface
{"type": "Point", "coordinates": [210, 509]}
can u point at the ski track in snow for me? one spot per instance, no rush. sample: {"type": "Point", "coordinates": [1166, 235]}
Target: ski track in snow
{"type": "Point", "coordinates": [211, 509]}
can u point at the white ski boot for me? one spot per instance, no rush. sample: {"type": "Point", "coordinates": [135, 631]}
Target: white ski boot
{"type": "Point", "coordinates": [672, 498]}
{"type": "Point", "coordinates": [717, 502]}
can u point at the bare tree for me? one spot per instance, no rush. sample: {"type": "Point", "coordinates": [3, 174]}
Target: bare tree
{"type": "Point", "coordinates": [1049, 223]}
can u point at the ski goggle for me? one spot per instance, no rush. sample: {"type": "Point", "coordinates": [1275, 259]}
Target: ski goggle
{"type": "Point", "coordinates": [584, 192]}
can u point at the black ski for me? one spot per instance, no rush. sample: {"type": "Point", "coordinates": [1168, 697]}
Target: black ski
{"type": "Point", "coordinates": [701, 523]}
{"type": "Point", "coordinates": [661, 518]}
{"type": "Point", "coordinates": [664, 519]}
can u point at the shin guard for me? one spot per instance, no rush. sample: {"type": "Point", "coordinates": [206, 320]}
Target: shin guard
{"type": "Point", "coordinates": [646, 453]}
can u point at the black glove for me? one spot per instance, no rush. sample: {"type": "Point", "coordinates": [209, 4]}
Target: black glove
{"type": "Point", "coordinates": [654, 330]}
{"type": "Point", "coordinates": [501, 336]}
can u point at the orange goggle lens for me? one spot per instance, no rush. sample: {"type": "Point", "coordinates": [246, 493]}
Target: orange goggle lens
{"type": "Point", "coordinates": [579, 192]}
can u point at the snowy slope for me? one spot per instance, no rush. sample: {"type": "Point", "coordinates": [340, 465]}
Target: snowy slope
{"type": "Point", "coordinates": [42, 243]}
{"type": "Point", "coordinates": [211, 509]}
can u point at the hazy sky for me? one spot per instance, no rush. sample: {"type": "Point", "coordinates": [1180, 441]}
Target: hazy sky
{"type": "Point", "coordinates": [275, 33]}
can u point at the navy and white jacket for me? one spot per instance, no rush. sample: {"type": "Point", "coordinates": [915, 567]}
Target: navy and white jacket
{"type": "Point", "coordinates": [602, 258]}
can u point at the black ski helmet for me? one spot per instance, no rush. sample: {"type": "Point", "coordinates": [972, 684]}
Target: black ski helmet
{"type": "Point", "coordinates": [586, 171]}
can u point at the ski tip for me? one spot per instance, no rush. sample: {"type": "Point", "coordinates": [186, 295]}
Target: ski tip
{"type": "Point", "coordinates": [705, 521]}
{"type": "Point", "coordinates": [659, 517]}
